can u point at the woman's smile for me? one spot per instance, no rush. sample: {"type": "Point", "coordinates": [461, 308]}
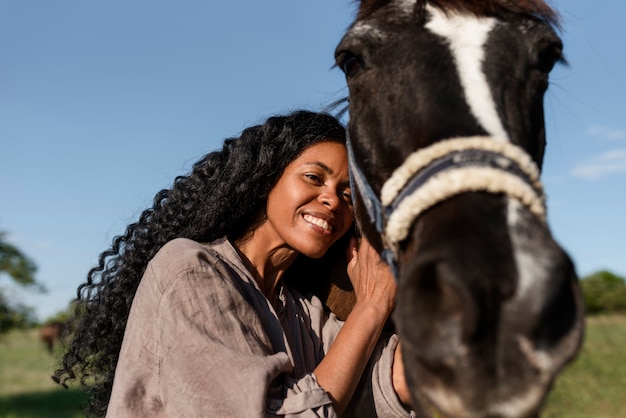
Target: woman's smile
{"type": "Point", "coordinates": [318, 222]}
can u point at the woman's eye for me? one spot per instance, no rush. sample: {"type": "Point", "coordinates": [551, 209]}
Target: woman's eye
{"type": "Point", "coordinates": [314, 178]}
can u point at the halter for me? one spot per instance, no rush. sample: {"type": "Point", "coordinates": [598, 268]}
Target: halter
{"type": "Point", "coordinates": [440, 171]}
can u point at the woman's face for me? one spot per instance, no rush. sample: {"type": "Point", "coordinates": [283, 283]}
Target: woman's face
{"type": "Point", "coordinates": [310, 207]}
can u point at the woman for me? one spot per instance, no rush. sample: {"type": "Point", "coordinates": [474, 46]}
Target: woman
{"type": "Point", "coordinates": [187, 314]}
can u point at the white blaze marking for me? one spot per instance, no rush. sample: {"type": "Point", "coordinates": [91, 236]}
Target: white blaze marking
{"type": "Point", "coordinates": [466, 36]}
{"type": "Point", "coordinates": [527, 265]}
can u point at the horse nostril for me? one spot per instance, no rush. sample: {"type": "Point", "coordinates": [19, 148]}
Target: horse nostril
{"type": "Point", "coordinates": [439, 289]}
{"type": "Point", "coordinates": [559, 314]}
{"type": "Point", "coordinates": [435, 309]}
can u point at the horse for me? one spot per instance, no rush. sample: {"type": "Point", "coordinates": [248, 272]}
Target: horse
{"type": "Point", "coordinates": [51, 333]}
{"type": "Point", "coordinates": [446, 143]}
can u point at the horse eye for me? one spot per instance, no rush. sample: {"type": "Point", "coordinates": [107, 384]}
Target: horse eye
{"type": "Point", "coordinates": [549, 57]}
{"type": "Point", "coordinates": [350, 64]}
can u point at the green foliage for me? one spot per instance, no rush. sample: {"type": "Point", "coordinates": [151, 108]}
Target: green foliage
{"type": "Point", "coordinates": [22, 270]}
{"type": "Point", "coordinates": [60, 317]}
{"type": "Point", "coordinates": [68, 315]}
{"type": "Point", "coordinates": [17, 265]}
{"type": "Point", "coordinates": [604, 292]}
{"type": "Point", "coordinates": [15, 315]}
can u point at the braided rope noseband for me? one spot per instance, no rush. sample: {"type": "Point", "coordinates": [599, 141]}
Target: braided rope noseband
{"type": "Point", "coordinates": [443, 170]}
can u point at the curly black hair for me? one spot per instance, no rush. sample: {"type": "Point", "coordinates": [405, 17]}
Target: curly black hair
{"type": "Point", "coordinates": [224, 195]}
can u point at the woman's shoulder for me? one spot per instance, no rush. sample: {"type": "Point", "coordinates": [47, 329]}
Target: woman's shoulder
{"type": "Point", "coordinates": [178, 251]}
{"type": "Point", "coordinates": [182, 255]}
{"type": "Point", "coordinates": [179, 245]}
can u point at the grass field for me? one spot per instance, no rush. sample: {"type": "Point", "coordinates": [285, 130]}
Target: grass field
{"type": "Point", "coordinates": [594, 386]}
{"type": "Point", "coordinates": [26, 389]}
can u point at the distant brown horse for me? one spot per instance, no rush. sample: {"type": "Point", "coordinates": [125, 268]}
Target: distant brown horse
{"type": "Point", "coordinates": [51, 333]}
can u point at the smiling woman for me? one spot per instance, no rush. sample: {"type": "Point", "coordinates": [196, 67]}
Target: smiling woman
{"type": "Point", "coordinates": [319, 174]}
{"type": "Point", "coordinates": [188, 309]}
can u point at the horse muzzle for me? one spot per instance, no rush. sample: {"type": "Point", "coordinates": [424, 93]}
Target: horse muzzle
{"type": "Point", "coordinates": [488, 312]}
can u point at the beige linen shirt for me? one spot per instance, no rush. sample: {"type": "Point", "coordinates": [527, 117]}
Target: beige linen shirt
{"type": "Point", "coordinates": [203, 341]}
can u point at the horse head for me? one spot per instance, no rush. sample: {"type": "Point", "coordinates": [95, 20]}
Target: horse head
{"type": "Point", "coordinates": [446, 145]}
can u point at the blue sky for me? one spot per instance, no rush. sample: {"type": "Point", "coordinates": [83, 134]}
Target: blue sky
{"type": "Point", "coordinates": [103, 103]}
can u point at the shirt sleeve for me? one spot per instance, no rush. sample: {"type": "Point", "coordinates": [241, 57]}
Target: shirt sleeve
{"type": "Point", "coordinates": [217, 359]}
{"type": "Point", "coordinates": [375, 396]}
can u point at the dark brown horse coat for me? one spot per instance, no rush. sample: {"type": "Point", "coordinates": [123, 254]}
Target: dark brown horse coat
{"type": "Point", "coordinates": [446, 145]}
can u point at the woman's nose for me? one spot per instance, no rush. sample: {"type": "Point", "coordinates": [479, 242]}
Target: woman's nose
{"type": "Point", "coordinates": [330, 199]}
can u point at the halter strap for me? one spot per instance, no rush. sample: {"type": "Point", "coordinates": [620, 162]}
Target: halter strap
{"type": "Point", "coordinates": [359, 183]}
{"type": "Point", "coordinates": [440, 171]}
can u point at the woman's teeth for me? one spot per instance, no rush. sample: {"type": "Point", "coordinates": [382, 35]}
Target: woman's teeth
{"type": "Point", "coordinates": [317, 221]}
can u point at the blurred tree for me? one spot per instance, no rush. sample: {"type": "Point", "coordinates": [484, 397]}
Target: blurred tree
{"type": "Point", "coordinates": [22, 270]}
{"type": "Point", "coordinates": [15, 263]}
{"type": "Point", "coordinates": [604, 292]}
{"type": "Point", "coordinates": [61, 316]}
{"type": "Point", "coordinates": [14, 315]}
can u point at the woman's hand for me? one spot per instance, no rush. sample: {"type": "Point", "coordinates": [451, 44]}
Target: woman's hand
{"type": "Point", "coordinates": [375, 288]}
{"type": "Point", "coordinates": [371, 277]}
